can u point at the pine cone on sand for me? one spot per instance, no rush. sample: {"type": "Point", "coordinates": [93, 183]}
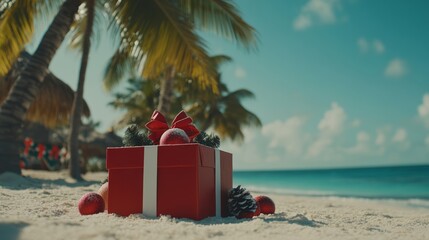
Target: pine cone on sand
{"type": "Point", "coordinates": [240, 201]}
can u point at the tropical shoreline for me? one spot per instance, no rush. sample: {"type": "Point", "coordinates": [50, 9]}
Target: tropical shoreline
{"type": "Point", "coordinates": [44, 205]}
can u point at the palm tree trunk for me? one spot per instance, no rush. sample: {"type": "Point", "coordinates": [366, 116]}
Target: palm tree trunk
{"type": "Point", "coordinates": [14, 108]}
{"type": "Point", "coordinates": [75, 121]}
{"type": "Point", "coordinates": [166, 91]}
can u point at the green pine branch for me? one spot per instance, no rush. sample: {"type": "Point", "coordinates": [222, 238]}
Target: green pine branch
{"type": "Point", "coordinates": [210, 140]}
{"type": "Point", "coordinates": [133, 137]}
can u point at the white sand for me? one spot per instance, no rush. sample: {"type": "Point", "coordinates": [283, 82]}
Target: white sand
{"type": "Point", "coordinates": [44, 206]}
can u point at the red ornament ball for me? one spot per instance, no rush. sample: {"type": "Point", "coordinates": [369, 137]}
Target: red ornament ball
{"type": "Point", "coordinates": [91, 203]}
{"type": "Point", "coordinates": [174, 136]}
{"type": "Point", "coordinates": [104, 193]}
{"type": "Point", "coordinates": [266, 205]}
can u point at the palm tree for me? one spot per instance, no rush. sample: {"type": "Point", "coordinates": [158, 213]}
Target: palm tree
{"type": "Point", "coordinates": [160, 32]}
{"type": "Point", "coordinates": [26, 87]}
{"type": "Point", "coordinates": [75, 121]}
{"type": "Point", "coordinates": [139, 101]}
{"type": "Point", "coordinates": [171, 25]}
{"type": "Point", "coordinates": [222, 112]}
{"type": "Point", "coordinates": [17, 26]}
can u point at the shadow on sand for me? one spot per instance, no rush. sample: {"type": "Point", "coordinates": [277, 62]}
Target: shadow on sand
{"type": "Point", "coordinates": [16, 182]}
{"type": "Point", "coordinates": [11, 231]}
{"type": "Point", "coordinates": [298, 219]}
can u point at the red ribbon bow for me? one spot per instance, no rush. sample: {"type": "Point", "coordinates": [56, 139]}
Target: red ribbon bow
{"type": "Point", "coordinates": [158, 125]}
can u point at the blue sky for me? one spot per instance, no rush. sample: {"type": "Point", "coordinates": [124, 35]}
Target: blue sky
{"type": "Point", "coordinates": [338, 83]}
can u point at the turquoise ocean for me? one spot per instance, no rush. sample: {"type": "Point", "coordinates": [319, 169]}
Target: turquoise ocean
{"type": "Point", "coordinates": [403, 183]}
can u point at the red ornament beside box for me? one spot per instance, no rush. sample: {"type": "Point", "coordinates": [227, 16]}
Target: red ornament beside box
{"type": "Point", "coordinates": [182, 181]}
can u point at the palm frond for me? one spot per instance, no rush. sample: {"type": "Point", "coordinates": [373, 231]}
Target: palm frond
{"type": "Point", "coordinates": [16, 28]}
{"type": "Point", "coordinates": [222, 17]}
{"type": "Point", "coordinates": [119, 66]}
{"type": "Point", "coordinates": [158, 33]}
{"type": "Point", "coordinates": [139, 100]}
{"type": "Point", "coordinates": [46, 9]}
{"type": "Point", "coordinates": [113, 24]}
{"type": "Point", "coordinates": [80, 24]}
{"type": "Point", "coordinates": [4, 5]}
{"type": "Point", "coordinates": [218, 60]}
{"type": "Point", "coordinates": [240, 94]}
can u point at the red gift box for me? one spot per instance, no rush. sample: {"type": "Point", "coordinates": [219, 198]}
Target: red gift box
{"type": "Point", "coordinates": [182, 181]}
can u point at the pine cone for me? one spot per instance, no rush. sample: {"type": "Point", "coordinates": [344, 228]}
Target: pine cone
{"type": "Point", "coordinates": [240, 201]}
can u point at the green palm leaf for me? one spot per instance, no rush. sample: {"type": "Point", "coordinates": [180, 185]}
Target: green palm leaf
{"type": "Point", "coordinates": [119, 66]}
{"type": "Point", "coordinates": [16, 28]}
{"type": "Point", "coordinates": [222, 17]}
{"type": "Point", "coordinates": [79, 26]}
{"type": "Point", "coordinates": [239, 94]}
{"type": "Point", "coordinates": [218, 60]}
{"type": "Point", "coordinates": [158, 33]}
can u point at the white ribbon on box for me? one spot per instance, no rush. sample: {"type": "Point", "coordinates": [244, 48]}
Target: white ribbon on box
{"type": "Point", "coordinates": [217, 183]}
{"type": "Point", "coordinates": [150, 173]}
{"type": "Point", "coordinates": [150, 180]}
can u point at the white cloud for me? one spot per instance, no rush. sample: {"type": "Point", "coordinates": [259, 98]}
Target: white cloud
{"type": "Point", "coordinates": [423, 110]}
{"type": "Point", "coordinates": [302, 22]}
{"type": "Point", "coordinates": [290, 135]}
{"type": "Point", "coordinates": [362, 143]}
{"type": "Point", "coordinates": [380, 140]}
{"type": "Point", "coordinates": [317, 10]}
{"type": "Point", "coordinates": [362, 137]}
{"type": "Point", "coordinates": [356, 123]}
{"type": "Point", "coordinates": [400, 136]}
{"type": "Point", "coordinates": [378, 46]}
{"type": "Point", "coordinates": [396, 68]}
{"type": "Point", "coordinates": [329, 126]}
{"type": "Point", "coordinates": [400, 139]}
{"type": "Point", "coordinates": [240, 73]}
{"type": "Point", "coordinates": [365, 45]}
{"type": "Point", "coordinates": [319, 146]}
{"type": "Point", "coordinates": [333, 120]}
{"type": "Point", "coordinates": [287, 134]}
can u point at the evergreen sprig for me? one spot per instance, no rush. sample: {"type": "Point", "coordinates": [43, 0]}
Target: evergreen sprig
{"type": "Point", "coordinates": [133, 137]}
{"type": "Point", "coordinates": [210, 140]}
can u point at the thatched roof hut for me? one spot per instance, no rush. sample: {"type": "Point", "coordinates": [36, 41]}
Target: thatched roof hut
{"type": "Point", "coordinates": [52, 106]}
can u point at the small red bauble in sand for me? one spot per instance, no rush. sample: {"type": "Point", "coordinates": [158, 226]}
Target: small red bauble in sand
{"type": "Point", "coordinates": [104, 193]}
{"type": "Point", "coordinates": [91, 203]}
{"type": "Point", "coordinates": [174, 136]}
{"type": "Point", "coordinates": [265, 204]}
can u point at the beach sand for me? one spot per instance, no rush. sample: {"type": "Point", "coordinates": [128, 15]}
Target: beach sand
{"type": "Point", "coordinates": [43, 205]}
